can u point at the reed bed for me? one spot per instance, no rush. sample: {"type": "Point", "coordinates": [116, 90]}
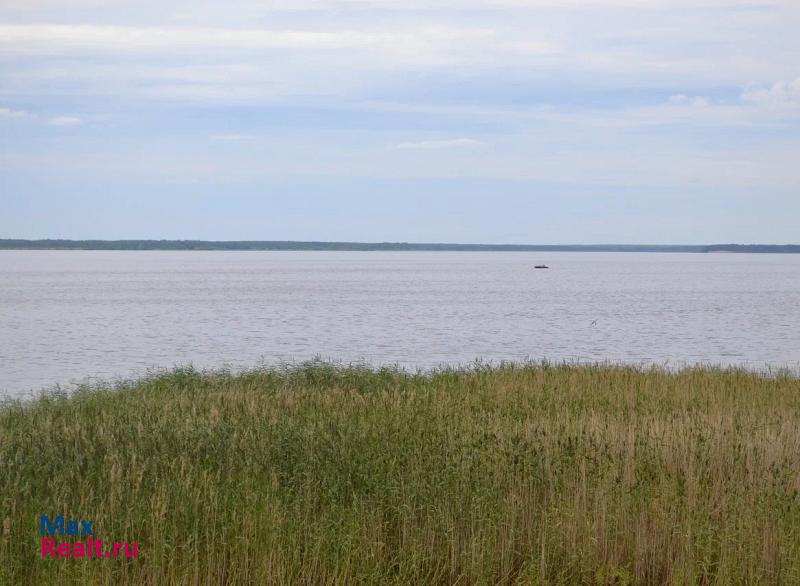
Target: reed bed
{"type": "Point", "coordinates": [320, 474]}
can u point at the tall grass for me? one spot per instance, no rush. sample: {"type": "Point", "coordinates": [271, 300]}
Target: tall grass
{"type": "Point", "coordinates": [324, 475]}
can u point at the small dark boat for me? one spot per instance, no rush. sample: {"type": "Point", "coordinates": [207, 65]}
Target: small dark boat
{"type": "Point", "coordinates": [541, 267]}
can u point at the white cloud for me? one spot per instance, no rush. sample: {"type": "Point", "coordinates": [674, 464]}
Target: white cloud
{"type": "Point", "coordinates": [57, 38]}
{"type": "Point", "coordinates": [54, 121]}
{"type": "Point", "coordinates": [232, 137]}
{"type": "Point", "coordinates": [691, 101]}
{"type": "Point", "coordinates": [188, 9]}
{"type": "Point", "coordinates": [531, 74]}
{"type": "Point", "coordinates": [356, 53]}
{"type": "Point", "coordinates": [9, 113]}
{"type": "Point", "coordinates": [65, 121]}
{"type": "Point", "coordinates": [440, 144]}
{"type": "Point", "coordinates": [642, 4]}
{"type": "Point", "coordinates": [533, 47]}
{"type": "Point", "coordinates": [781, 94]}
{"type": "Point", "coordinates": [50, 39]}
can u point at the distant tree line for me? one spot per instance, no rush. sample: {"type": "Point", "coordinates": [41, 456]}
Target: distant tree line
{"type": "Point", "coordinates": [58, 244]}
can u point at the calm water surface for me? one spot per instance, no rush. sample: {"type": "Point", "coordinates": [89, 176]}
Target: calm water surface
{"type": "Point", "coordinates": [71, 316]}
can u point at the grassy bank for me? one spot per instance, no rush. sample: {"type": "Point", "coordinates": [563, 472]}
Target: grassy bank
{"type": "Point", "coordinates": [512, 475]}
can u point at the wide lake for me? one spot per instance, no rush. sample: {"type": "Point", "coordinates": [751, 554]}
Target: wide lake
{"type": "Point", "coordinates": [68, 317]}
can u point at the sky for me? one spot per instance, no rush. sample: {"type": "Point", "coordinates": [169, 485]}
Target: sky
{"type": "Point", "coordinates": [492, 121]}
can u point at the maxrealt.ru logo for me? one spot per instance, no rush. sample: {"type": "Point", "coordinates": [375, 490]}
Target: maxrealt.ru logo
{"type": "Point", "coordinates": [86, 547]}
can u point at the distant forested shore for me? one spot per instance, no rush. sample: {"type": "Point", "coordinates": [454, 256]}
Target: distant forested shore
{"type": "Point", "coordinates": [58, 244]}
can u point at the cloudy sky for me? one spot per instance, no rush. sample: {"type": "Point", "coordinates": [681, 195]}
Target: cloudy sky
{"type": "Point", "coordinates": [538, 121]}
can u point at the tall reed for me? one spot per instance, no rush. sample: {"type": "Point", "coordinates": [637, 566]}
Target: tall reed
{"type": "Point", "coordinates": [318, 474]}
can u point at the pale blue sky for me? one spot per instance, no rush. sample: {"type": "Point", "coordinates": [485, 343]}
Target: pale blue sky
{"type": "Point", "coordinates": [540, 121]}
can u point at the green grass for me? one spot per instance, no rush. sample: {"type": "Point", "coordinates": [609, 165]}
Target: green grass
{"type": "Point", "coordinates": [320, 475]}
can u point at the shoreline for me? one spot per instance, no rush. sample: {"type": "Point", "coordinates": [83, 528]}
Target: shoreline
{"type": "Point", "coordinates": [139, 377]}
